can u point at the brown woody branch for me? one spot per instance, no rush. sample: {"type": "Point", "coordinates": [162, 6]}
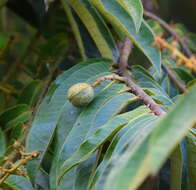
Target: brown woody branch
{"type": "Point", "coordinates": [138, 91]}
{"type": "Point", "coordinates": [173, 78]}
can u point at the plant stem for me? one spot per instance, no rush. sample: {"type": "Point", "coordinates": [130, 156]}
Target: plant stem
{"type": "Point", "coordinates": [107, 77]}
{"type": "Point", "coordinates": [123, 70]}
{"type": "Point", "coordinates": [173, 78]}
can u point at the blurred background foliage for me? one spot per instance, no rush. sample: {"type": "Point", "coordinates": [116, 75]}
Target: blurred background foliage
{"type": "Point", "coordinates": [31, 48]}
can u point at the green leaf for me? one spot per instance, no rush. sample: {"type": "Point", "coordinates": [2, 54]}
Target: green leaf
{"type": "Point", "coordinates": [108, 103]}
{"type": "Point", "coordinates": [119, 144]}
{"type": "Point", "coordinates": [155, 26]}
{"type": "Point", "coordinates": [64, 126]}
{"type": "Point", "coordinates": [69, 116]}
{"type": "Point", "coordinates": [93, 142]}
{"type": "Point", "coordinates": [117, 121]}
{"type": "Point", "coordinates": [147, 158]}
{"type": "Point", "coordinates": [173, 126]}
{"type": "Point", "coordinates": [85, 43]}
{"type": "Point", "coordinates": [30, 93]}
{"type": "Point", "coordinates": [183, 74]}
{"type": "Point", "coordinates": [122, 20]}
{"type": "Point", "coordinates": [19, 183]}
{"type": "Point", "coordinates": [54, 48]}
{"type": "Point", "coordinates": [176, 163]}
{"type": "Point", "coordinates": [132, 170]}
{"type": "Point", "coordinates": [83, 173]}
{"type": "Point", "coordinates": [42, 180]}
{"type": "Point", "coordinates": [16, 133]}
{"type": "Point", "coordinates": [2, 143]}
{"type": "Point", "coordinates": [50, 110]}
{"type": "Point", "coordinates": [129, 169]}
{"type": "Point", "coordinates": [150, 85]}
{"type": "Point", "coordinates": [96, 27]}
{"type": "Point", "coordinates": [191, 157]}
{"type": "Point", "coordinates": [135, 10]}
{"type": "Point", "coordinates": [17, 114]}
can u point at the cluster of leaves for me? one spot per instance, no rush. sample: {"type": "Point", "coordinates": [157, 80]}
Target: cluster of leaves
{"type": "Point", "coordinates": [115, 142]}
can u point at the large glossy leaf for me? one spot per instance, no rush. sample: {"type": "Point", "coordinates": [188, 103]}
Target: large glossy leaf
{"type": "Point", "coordinates": [19, 183]}
{"type": "Point", "coordinates": [123, 21]}
{"type": "Point", "coordinates": [135, 10]}
{"type": "Point", "coordinates": [93, 142]}
{"type": "Point", "coordinates": [96, 27]}
{"type": "Point", "coordinates": [70, 114]}
{"type": "Point", "coordinates": [137, 132]}
{"type": "Point", "coordinates": [149, 157]}
{"type": "Point", "coordinates": [85, 43]}
{"type": "Point", "coordinates": [132, 174]}
{"type": "Point", "coordinates": [83, 173]}
{"type": "Point", "coordinates": [65, 124]}
{"type": "Point", "coordinates": [174, 126]}
{"type": "Point", "coordinates": [50, 110]}
{"type": "Point", "coordinates": [105, 105]}
{"type": "Point", "coordinates": [137, 117]}
{"type": "Point", "coordinates": [42, 180]}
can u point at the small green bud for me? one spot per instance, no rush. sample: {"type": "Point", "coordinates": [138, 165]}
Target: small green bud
{"type": "Point", "coordinates": [80, 94]}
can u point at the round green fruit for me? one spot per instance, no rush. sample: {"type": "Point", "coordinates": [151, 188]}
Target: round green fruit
{"type": "Point", "coordinates": [80, 94]}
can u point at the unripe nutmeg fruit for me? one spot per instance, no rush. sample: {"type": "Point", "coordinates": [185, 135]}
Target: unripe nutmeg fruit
{"type": "Point", "coordinates": [80, 94]}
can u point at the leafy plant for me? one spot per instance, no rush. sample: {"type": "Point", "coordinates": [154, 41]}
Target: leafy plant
{"type": "Point", "coordinates": [136, 131]}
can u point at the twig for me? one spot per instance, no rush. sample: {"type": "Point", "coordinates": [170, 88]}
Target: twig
{"type": "Point", "coordinates": [15, 167]}
{"type": "Point", "coordinates": [171, 31]}
{"type": "Point", "coordinates": [107, 77]}
{"type": "Point", "coordinates": [173, 78]}
{"type": "Point", "coordinates": [123, 64]}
